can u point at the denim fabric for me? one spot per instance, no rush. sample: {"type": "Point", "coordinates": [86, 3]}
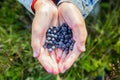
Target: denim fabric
{"type": "Point", "coordinates": [85, 6]}
{"type": "Point", "coordinates": [26, 4]}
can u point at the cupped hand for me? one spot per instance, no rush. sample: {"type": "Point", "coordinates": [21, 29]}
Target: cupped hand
{"type": "Point", "coordinates": [46, 15]}
{"type": "Point", "coordinates": [70, 14]}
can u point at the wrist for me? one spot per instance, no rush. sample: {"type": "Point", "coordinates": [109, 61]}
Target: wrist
{"type": "Point", "coordinates": [36, 4]}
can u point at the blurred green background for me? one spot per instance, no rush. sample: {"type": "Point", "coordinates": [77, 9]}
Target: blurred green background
{"type": "Point", "coordinates": [102, 57]}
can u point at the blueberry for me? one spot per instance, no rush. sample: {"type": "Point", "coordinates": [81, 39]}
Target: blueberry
{"type": "Point", "coordinates": [66, 50]}
{"type": "Point", "coordinates": [53, 39]}
{"type": "Point", "coordinates": [70, 41]}
{"type": "Point", "coordinates": [48, 38]}
{"type": "Point", "coordinates": [68, 45]}
{"type": "Point", "coordinates": [59, 37]}
{"type": "Point", "coordinates": [64, 28]}
{"type": "Point", "coordinates": [45, 46]}
{"type": "Point", "coordinates": [62, 40]}
{"type": "Point", "coordinates": [55, 36]}
{"type": "Point", "coordinates": [70, 35]}
{"type": "Point", "coordinates": [53, 47]}
{"type": "Point", "coordinates": [65, 41]}
{"type": "Point", "coordinates": [58, 29]}
{"type": "Point", "coordinates": [60, 45]}
{"type": "Point", "coordinates": [54, 28]}
{"type": "Point", "coordinates": [48, 31]}
{"type": "Point", "coordinates": [67, 36]}
{"type": "Point", "coordinates": [69, 31]}
{"type": "Point", "coordinates": [50, 49]}
{"type": "Point", "coordinates": [64, 24]}
{"type": "Point", "coordinates": [64, 33]}
{"type": "Point", "coordinates": [49, 45]}
{"type": "Point", "coordinates": [48, 35]}
{"type": "Point", "coordinates": [54, 31]}
{"type": "Point", "coordinates": [52, 35]}
{"type": "Point", "coordinates": [51, 28]}
{"type": "Point", "coordinates": [56, 43]}
{"type": "Point", "coordinates": [46, 41]}
{"type": "Point", "coordinates": [50, 42]}
{"type": "Point", "coordinates": [63, 47]}
{"type": "Point", "coordinates": [71, 47]}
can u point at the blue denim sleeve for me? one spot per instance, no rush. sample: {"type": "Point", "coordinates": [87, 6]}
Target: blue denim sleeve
{"type": "Point", "coordinates": [26, 4]}
{"type": "Point", "coordinates": [85, 6]}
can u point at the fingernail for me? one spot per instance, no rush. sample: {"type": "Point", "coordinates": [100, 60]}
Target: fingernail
{"type": "Point", "coordinates": [36, 54]}
{"type": "Point", "coordinates": [58, 59]}
{"type": "Point", "coordinates": [49, 70]}
{"type": "Point", "coordinates": [82, 48]}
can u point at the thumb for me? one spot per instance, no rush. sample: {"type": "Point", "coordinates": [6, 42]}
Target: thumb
{"type": "Point", "coordinates": [36, 46]}
{"type": "Point", "coordinates": [80, 35]}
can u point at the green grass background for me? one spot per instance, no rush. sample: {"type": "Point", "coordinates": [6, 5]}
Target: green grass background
{"type": "Point", "coordinates": [102, 56]}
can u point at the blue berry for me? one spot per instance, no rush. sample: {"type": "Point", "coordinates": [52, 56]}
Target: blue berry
{"type": "Point", "coordinates": [68, 44]}
{"type": "Point", "coordinates": [48, 38]}
{"type": "Point", "coordinates": [59, 37]}
{"type": "Point", "coordinates": [50, 49]}
{"type": "Point", "coordinates": [63, 47]}
{"type": "Point", "coordinates": [66, 50]}
{"type": "Point", "coordinates": [53, 47]}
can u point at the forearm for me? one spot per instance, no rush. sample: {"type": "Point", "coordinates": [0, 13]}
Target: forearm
{"type": "Point", "coordinates": [28, 4]}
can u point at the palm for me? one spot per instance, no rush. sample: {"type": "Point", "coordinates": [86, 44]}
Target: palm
{"type": "Point", "coordinates": [42, 21]}
{"type": "Point", "coordinates": [74, 19]}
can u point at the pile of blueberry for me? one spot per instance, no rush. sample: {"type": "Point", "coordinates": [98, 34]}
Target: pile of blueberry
{"type": "Point", "coordinates": [59, 37]}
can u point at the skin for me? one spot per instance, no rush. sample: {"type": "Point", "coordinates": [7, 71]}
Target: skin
{"type": "Point", "coordinates": [71, 15]}
{"type": "Point", "coordinates": [47, 15]}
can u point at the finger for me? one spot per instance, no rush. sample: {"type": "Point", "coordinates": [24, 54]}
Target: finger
{"type": "Point", "coordinates": [58, 51]}
{"type": "Point", "coordinates": [75, 20]}
{"type": "Point", "coordinates": [54, 23]}
{"type": "Point", "coordinates": [44, 60]}
{"type": "Point", "coordinates": [54, 63]}
{"type": "Point", "coordinates": [58, 55]}
{"type": "Point", "coordinates": [70, 58]}
{"type": "Point", "coordinates": [60, 64]}
{"type": "Point", "coordinates": [61, 19]}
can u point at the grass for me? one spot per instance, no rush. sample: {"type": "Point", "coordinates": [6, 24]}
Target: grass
{"type": "Point", "coordinates": [101, 57]}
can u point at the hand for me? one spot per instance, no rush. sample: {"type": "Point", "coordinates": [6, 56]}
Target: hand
{"type": "Point", "coordinates": [70, 14]}
{"type": "Point", "coordinates": [46, 15]}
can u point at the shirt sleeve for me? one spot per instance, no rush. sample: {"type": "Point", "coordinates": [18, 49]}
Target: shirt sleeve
{"type": "Point", "coordinates": [85, 6]}
{"type": "Point", "coordinates": [26, 4]}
